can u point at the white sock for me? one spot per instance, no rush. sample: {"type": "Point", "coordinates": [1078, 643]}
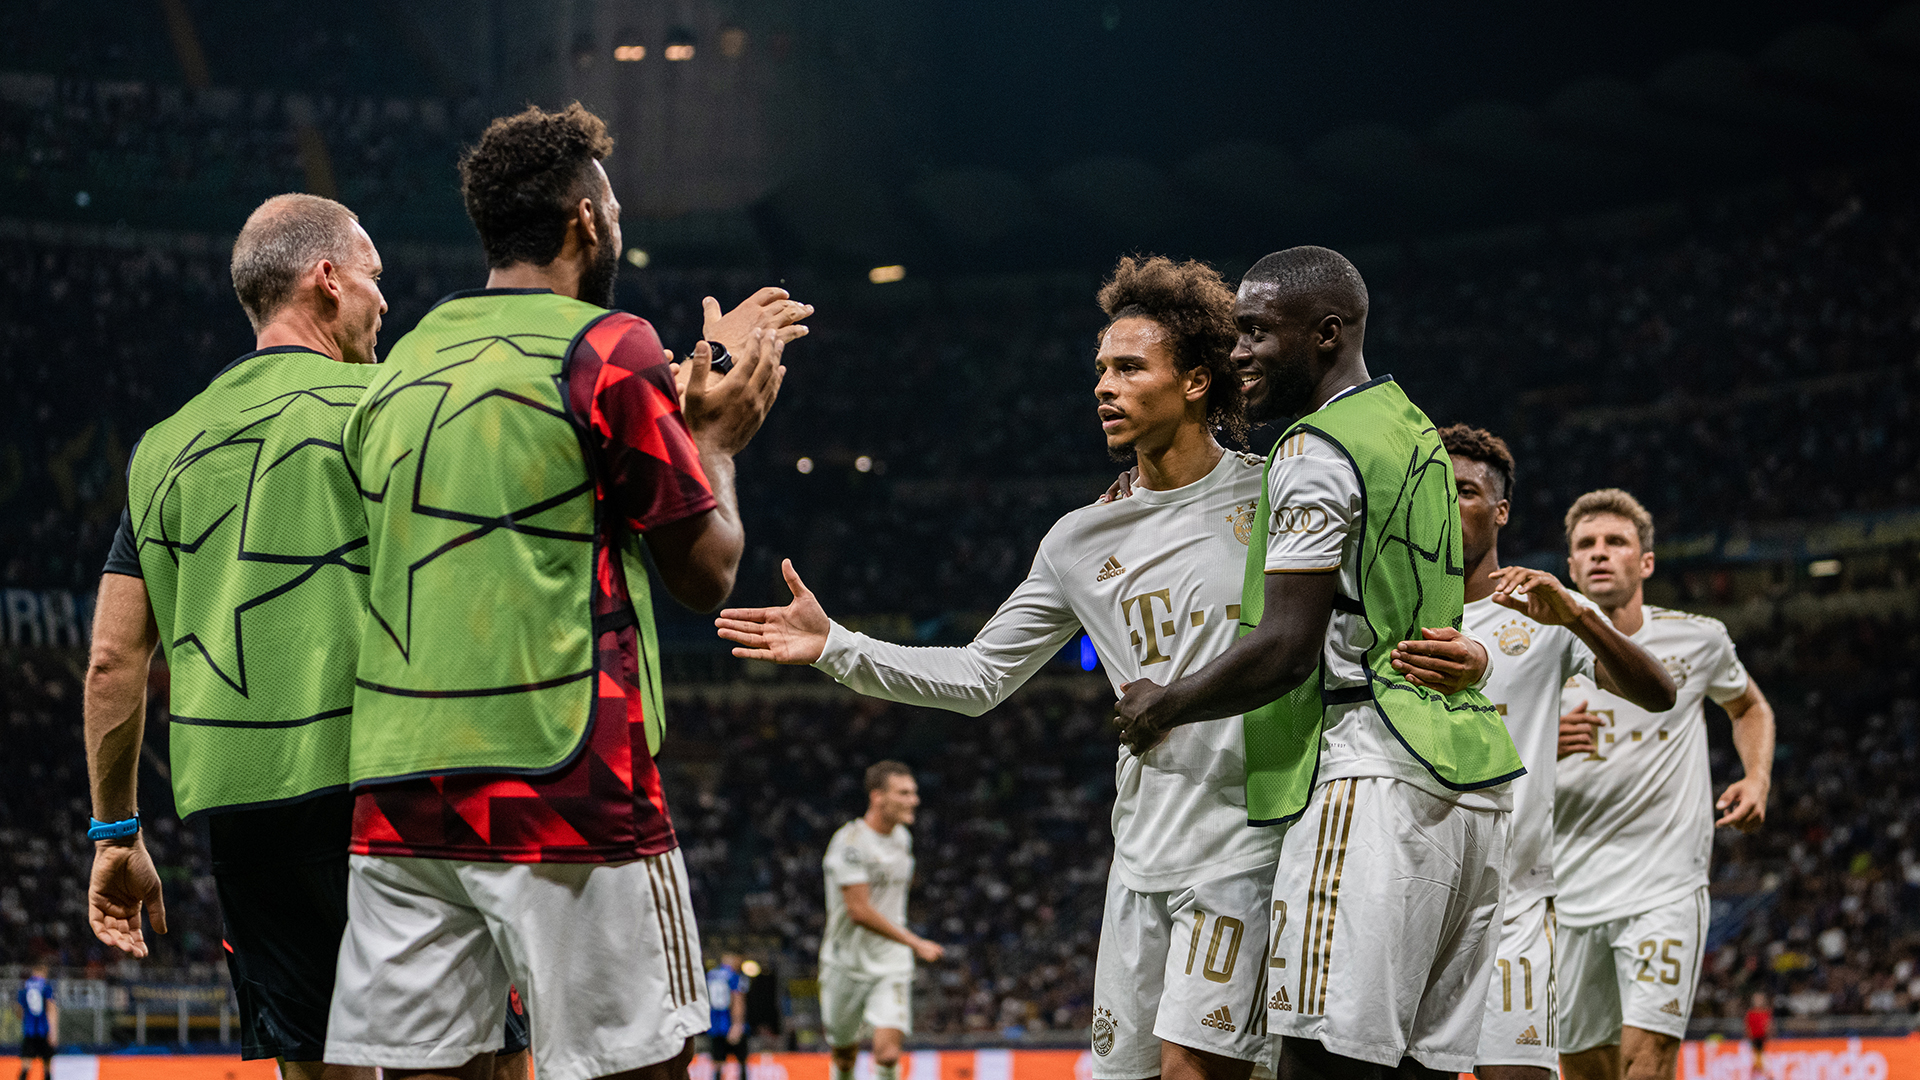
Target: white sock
{"type": "Point", "coordinates": [887, 1072]}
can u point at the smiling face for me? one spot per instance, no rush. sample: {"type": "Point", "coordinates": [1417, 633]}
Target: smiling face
{"type": "Point", "coordinates": [1143, 397]}
{"type": "Point", "coordinates": [1605, 559]}
{"type": "Point", "coordinates": [1277, 352]}
{"type": "Point", "coordinates": [1483, 506]}
{"type": "Point", "coordinates": [897, 801]}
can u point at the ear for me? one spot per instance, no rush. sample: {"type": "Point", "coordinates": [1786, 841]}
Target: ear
{"type": "Point", "coordinates": [1501, 510]}
{"type": "Point", "coordinates": [589, 229]}
{"type": "Point", "coordinates": [1199, 382]}
{"type": "Point", "coordinates": [1329, 332]}
{"type": "Point", "coordinates": [1646, 564]}
{"type": "Point", "coordinates": [326, 278]}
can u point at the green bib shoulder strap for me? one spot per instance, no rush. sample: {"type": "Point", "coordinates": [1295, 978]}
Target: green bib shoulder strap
{"type": "Point", "coordinates": [1410, 577]}
{"type": "Point", "coordinates": [250, 536]}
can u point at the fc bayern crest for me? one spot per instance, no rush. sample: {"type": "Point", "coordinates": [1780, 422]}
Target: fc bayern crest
{"type": "Point", "coordinates": [1103, 1027]}
{"type": "Point", "coordinates": [1242, 518]}
{"type": "Point", "coordinates": [1514, 638]}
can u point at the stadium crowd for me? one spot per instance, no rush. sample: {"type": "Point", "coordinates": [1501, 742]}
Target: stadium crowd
{"type": "Point", "coordinates": [1817, 910]}
{"type": "Point", "coordinates": [1701, 372]}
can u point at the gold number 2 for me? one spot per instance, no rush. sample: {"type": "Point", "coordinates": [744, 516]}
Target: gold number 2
{"type": "Point", "coordinates": [1279, 926]}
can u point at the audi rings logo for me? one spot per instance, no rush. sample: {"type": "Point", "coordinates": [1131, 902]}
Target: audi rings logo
{"type": "Point", "coordinates": [1298, 520]}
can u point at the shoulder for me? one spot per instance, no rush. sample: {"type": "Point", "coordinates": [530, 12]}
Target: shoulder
{"type": "Point", "coordinates": [1685, 624]}
{"type": "Point", "coordinates": [619, 339]}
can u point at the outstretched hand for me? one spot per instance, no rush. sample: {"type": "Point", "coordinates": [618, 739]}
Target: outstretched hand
{"type": "Point", "coordinates": [795, 634]}
{"type": "Point", "coordinates": [1536, 594]}
{"type": "Point", "coordinates": [1444, 660]}
{"type": "Point", "coordinates": [123, 883]}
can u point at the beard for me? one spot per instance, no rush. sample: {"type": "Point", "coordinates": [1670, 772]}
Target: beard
{"type": "Point", "coordinates": [597, 280]}
{"type": "Point", "coordinates": [1289, 391]}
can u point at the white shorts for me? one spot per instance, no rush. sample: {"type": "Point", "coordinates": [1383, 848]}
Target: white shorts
{"type": "Point", "coordinates": [848, 997]}
{"type": "Point", "coordinates": [1187, 967]}
{"type": "Point", "coordinates": [1519, 1026]}
{"type": "Point", "coordinates": [605, 956]}
{"type": "Point", "coordinates": [1640, 971]}
{"type": "Point", "coordinates": [1387, 916]}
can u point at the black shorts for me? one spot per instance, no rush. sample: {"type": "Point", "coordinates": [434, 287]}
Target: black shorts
{"type": "Point", "coordinates": [34, 1046]}
{"type": "Point", "coordinates": [281, 874]}
{"type": "Point", "coordinates": [720, 1049]}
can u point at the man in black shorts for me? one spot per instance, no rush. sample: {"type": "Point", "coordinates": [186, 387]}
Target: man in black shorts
{"type": "Point", "coordinates": [243, 553]}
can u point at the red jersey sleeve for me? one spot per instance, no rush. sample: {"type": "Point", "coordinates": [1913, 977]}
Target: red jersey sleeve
{"type": "Point", "coordinates": [620, 389]}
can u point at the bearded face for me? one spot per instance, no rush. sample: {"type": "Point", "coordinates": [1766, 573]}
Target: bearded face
{"type": "Point", "coordinates": [598, 279]}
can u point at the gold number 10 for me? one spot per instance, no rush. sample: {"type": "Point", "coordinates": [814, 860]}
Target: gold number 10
{"type": "Point", "coordinates": [1222, 924]}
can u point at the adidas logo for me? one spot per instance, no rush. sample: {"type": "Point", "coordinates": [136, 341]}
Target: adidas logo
{"type": "Point", "coordinates": [1672, 1008]}
{"type": "Point", "coordinates": [1529, 1037]}
{"type": "Point", "coordinates": [1278, 1002]}
{"type": "Point", "coordinates": [1112, 569]}
{"type": "Point", "coordinates": [1219, 1018]}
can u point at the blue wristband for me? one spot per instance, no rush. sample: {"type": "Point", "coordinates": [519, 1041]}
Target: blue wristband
{"type": "Point", "coordinates": [112, 830]}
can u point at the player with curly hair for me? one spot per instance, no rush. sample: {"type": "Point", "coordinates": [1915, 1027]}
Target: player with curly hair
{"type": "Point", "coordinates": [1152, 580]}
{"type": "Point", "coordinates": [518, 448]}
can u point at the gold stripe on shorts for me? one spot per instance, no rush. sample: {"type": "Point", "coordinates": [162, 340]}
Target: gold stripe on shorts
{"type": "Point", "coordinates": [666, 915]}
{"type": "Point", "coordinates": [683, 917]}
{"type": "Point", "coordinates": [1323, 895]}
{"type": "Point", "coordinates": [1333, 895]}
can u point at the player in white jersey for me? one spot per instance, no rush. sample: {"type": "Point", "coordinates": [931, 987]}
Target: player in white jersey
{"type": "Point", "coordinates": [1633, 820]}
{"type": "Point", "coordinates": [1546, 635]}
{"type": "Point", "coordinates": [1387, 891]}
{"type": "Point", "coordinates": [867, 952]}
{"type": "Point", "coordinates": [1154, 581]}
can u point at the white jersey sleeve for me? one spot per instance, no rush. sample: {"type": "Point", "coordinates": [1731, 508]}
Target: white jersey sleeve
{"type": "Point", "coordinates": [1022, 636]}
{"type": "Point", "coordinates": [846, 863]}
{"type": "Point", "coordinates": [1315, 499]}
{"type": "Point", "coordinates": [1728, 678]}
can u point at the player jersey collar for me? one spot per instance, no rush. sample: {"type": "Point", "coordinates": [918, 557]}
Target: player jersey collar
{"type": "Point", "coordinates": [468, 294]}
{"type": "Point", "coordinates": [244, 357]}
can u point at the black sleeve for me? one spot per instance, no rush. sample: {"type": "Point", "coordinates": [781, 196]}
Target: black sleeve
{"type": "Point", "coordinates": [123, 557]}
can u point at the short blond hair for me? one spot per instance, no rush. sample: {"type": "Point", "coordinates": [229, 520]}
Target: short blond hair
{"type": "Point", "coordinates": [1616, 502]}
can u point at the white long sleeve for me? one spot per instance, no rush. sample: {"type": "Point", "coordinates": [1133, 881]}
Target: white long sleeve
{"type": "Point", "coordinates": [1020, 637]}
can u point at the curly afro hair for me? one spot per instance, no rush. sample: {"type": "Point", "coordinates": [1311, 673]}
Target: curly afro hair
{"type": "Point", "coordinates": [1192, 303]}
{"type": "Point", "coordinates": [1479, 444]}
{"type": "Point", "coordinates": [523, 178]}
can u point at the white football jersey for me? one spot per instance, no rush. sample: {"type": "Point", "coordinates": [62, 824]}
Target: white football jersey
{"type": "Point", "coordinates": [1633, 822]}
{"type": "Point", "coordinates": [1531, 663]}
{"type": "Point", "coordinates": [884, 864]}
{"type": "Point", "coordinates": [1155, 580]}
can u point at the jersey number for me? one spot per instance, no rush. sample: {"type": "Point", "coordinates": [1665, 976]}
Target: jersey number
{"type": "Point", "coordinates": [1506, 983]}
{"type": "Point", "coordinates": [1223, 925]}
{"type": "Point", "coordinates": [1663, 951]}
